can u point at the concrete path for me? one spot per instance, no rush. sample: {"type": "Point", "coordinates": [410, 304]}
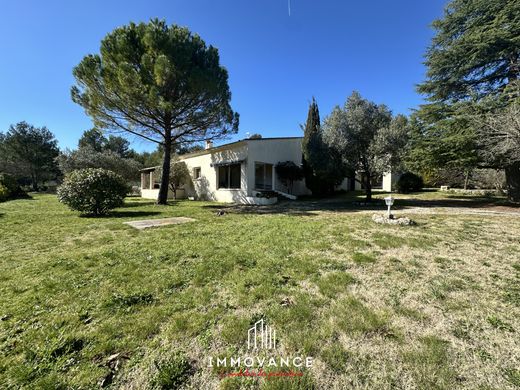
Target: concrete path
{"type": "Point", "coordinates": [148, 223]}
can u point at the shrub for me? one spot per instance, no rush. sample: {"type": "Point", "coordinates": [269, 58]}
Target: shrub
{"type": "Point", "coordinates": [4, 193]}
{"type": "Point", "coordinates": [93, 191]}
{"type": "Point", "coordinates": [289, 172]}
{"type": "Point", "coordinates": [409, 182]}
{"type": "Point", "coordinates": [10, 185]}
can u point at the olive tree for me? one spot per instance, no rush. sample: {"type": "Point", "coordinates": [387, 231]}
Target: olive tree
{"type": "Point", "coordinates": [179, 176]}
{"type": "Point", "coordinates": [366, 137]}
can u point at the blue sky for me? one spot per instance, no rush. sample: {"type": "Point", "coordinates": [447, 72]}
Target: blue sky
{"type": "Point", "coordinates": [276, 62]}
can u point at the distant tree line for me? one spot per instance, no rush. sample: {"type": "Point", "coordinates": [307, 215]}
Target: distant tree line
{"type": "Point", "coordinates": [31, 155]}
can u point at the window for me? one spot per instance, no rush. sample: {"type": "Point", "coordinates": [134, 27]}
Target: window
{"type": "Point", "coordinates": [229, 176]}
{"type": "Point", "coordinates": [263, 176]}
{"type": "Point", "coordinates": [196, 173]}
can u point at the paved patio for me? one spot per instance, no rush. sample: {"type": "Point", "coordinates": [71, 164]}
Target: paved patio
{"type": "Point", "coordinates": [148, 223]}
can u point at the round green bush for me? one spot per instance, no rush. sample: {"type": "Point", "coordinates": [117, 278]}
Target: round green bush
{"type": "Point", "coordinates": [93, 191]}
{"type": "Point", "coordinates": [409, 182]}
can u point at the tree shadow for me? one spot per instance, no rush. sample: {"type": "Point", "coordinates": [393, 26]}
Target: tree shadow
{"type": "Point", "coordinates": [134, 203]}
{"type": "Point", "coordinates": [460, 201]}
{"type": "Point", "coordinates": [123, 214]}
{"type": "Point", "coordinates": [352, 204]}
{"type": "Point", "coordinates": [25, 196]}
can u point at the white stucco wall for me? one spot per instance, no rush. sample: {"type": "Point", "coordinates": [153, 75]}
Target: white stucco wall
{"type": "Point", "coordinates": [154, 193]}
{"type": "Point", "coordinates": [273, 151]}
{"type": "Point", "coordinates": [389, 180]}
{"type": "Point", "coordinates": [206, 186]}
{"type": "Point", "coordinates": [270, 151]}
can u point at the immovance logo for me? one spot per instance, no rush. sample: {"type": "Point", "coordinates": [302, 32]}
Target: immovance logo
{"type": "Point", "coordinates": [266, 334]}
{"type": "Point", "coordinates": [261, 346]}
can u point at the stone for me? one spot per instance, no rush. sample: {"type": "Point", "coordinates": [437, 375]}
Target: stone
{"type": "Point", "coordinates": [148, 223]}
{"type": "Point", "coordinates": [383, 219]}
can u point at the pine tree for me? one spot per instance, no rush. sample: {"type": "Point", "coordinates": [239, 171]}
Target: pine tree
{"type": "Point", "coordinates": [473, 68]}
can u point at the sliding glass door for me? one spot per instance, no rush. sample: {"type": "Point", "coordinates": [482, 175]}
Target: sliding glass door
{"type": "Point", "coordinates": [263, 176]}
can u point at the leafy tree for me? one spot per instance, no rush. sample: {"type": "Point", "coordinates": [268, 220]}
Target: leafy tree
{"type": "Point", "coordinates": [184, 149]}
{"type": "Point", "coordinates": [159, 82]}
{"type": "Point", "coordinates": [321, 169]}
{"type": "Point", "coordinates": [87, 157]}
{"type": "Point", "coordinates": [179, 175]}
{"type": "Point", "coordinates": [501, 134]}
{"type": "Point", "coordinates": [288, 172]}
{"type": "Point", "coordinates": [149, 159]}
{"type": "Point", "coordinates": [442, 152]}
{"type": "Point", "coordinates": [118, 145]}
{"type": "Point", "coordinates": [29, 152]}
{"type": "Point", "coordinates": [93, 139]}
{"type": "Point", "coordinates": [473, 68]}
{"type": "Point", "coordinates": [363, 134]}
{"type": "Point", "coordinates": [96, 141]}
{"type": "Point", "coordinates": [391, 144]}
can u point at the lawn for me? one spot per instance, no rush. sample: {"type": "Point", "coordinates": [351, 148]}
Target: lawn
{"type": "Point", "coordinates": [90, 302]}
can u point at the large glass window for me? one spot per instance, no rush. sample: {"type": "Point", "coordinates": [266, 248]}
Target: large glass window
{"type": "Point", "coordinates": [229, 176]}
{"type": "Point", "coordinates": [263, 176]}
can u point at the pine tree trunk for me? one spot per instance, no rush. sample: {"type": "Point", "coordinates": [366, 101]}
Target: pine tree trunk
{"type": "Point", "coordinates": [513, 182]}
{"type": "Point", "coordinates": [163, 189]}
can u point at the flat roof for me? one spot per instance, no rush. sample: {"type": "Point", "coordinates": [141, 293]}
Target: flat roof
{"type": "Point", "coordinates": [212, 149]}
{"type": "Point", "coordinates": [223, 146]}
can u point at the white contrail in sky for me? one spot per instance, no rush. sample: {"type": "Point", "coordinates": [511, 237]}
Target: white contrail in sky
{"type": "Point", "coordinates": [289, 6]}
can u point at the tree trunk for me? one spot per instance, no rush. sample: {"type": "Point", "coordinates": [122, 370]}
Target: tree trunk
{"type": "Point", "coordinates": [34, 182]}
{"type": "Point", "coordinates": [368, 188]}
{"type": "Point", "coordinates": [466, 179]}
{"type": "Point", "coordinates": [163, 189]}
{"type": "Point", "coordinates": [513, 182]}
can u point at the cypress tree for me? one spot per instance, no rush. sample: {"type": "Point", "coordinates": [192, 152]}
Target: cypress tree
{"type": "Point", "coordinates": [321, 171]}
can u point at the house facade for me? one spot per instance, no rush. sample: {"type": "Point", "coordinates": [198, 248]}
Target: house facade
{"type": "Point", "coordinates": [238, 172]}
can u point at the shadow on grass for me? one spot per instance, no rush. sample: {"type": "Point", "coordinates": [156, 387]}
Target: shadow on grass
{"type": "Point", "coordinates": [123, 214]}
{"type": "Point", "coordinates": [148, 202]}
{"type": "Point", "coordinates": [134, 203]}
{"type": "Point", "coordinates": [128, 214]}
{"type": "Point", "coordinates": [460, 202]}
{"type": "Point", "coordinates": [307, 206]}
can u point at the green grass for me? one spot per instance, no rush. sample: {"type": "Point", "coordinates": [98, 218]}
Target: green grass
{"type": "Point", "coordinates": [430, 306]}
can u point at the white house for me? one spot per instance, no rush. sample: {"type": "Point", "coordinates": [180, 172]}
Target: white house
{"type": "Point", "coordinates": [238, 172]}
